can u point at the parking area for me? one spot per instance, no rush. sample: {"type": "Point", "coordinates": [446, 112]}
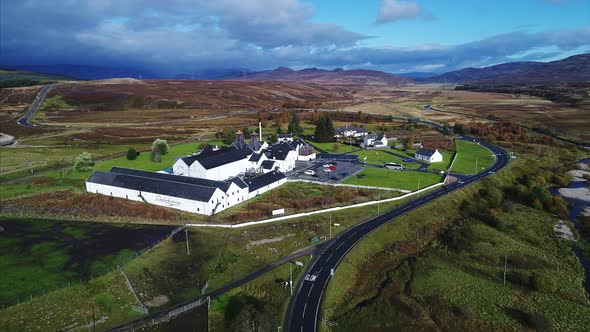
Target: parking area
{"type": "Point", "coordinates": [325, 170]}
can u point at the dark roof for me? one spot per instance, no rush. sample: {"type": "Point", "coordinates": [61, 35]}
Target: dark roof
{"type": "Point", "coordinates": [285, 135]}
{"type": "Point", "coordinates": [152, 185]}
{"type": "Point", "coordinates": [240, 143]}
{"type": "Point", "coordinates": [425, 152]}
{"type": "Point", "coordinates": [254, 143]}
{"type": "Point", "coordinates": [267, 164]}
{"type": "Point", "coordinates": [218, 158]}
{"type": "Point", "coordinates": [264, 180]}
{"type": "Point", "coordinates": [278, 151]}
{"type": "Point", "coordinates": [224, 186]}
{"type": "Point", "coordinates": [239, 182]}
{"type": "Point", "coordinates": [255, 157]}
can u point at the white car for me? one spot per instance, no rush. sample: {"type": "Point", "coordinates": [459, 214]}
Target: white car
{"type": "Point", "coordinates": [327, 170]}
{"type": "Point", "coordinates": [310, 172]}
{"type": "Point", "coordinates": [326, 165]}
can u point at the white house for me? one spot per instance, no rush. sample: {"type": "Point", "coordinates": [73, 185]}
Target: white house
{"type": "Point", "coordinates": [429, 155]}
{"type": "Point", "coordinates": [349, 131]}
{"type": "Point", "coordinates": [375, 141]}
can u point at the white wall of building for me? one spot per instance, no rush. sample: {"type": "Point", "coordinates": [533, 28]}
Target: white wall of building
{"type": "Point", "coordinates": [183, 204]}
{"type": "Point", "coordinates": [267, 188]}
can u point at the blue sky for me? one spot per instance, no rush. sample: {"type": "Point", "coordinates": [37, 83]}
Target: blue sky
{"type": "Point", "coordinates": [180, 36]}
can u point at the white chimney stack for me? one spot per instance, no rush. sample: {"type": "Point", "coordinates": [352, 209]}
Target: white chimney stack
{"type": "Point", "coordinates": [260, 130]}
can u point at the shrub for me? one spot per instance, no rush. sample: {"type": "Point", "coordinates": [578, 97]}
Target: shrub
{"type": "Point", "coordinates": [544, 283]}
{"type": "Point", "coordinates": [519, 278]}
{"type": "Point", "coordinates": [161, 145]}
{"type": "Point", "coordinates": [132, 154]}
{"type": "Point", "coordinates": [83, 162]}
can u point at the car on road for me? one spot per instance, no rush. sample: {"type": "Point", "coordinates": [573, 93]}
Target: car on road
{"type": "Point", "coordinates": [407, 160]}
{"type": "Point", "coordinates": [327, 170]}
{"type": "Point", "coordinates": [309, 172]}
{"type": "Point", "coordinates": [326, 165]}
{"type": "Point", "coordinates": [343, 174]}
{"type": "Point", "coordinates": [334, 178]}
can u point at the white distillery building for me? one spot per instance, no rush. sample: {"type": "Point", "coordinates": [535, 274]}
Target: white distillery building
{"type": "Point", "coordinates": [221, 163]}
{"type": "Point", "coordinates": [189, 194]}
{"type": "Point", "coordinates": [429, 155]}
{"type": "Point", "coordinates": [207, 182]}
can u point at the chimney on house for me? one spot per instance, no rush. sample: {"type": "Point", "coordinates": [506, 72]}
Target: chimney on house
{"type": "Point", "coordinates": [260, 130]}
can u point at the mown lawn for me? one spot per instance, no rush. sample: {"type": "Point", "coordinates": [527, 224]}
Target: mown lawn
{"type": "Point", "coordinates": [409, 180]}
{"type": "Point", "coordinates": [472, 158]}
{"type": "Point", "coordinates": [380, 157]}
{"type": "Point", "coordinates": [335, 147]}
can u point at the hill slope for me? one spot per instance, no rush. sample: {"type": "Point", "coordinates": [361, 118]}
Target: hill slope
{"type": "Point", "coordinates": [337, 76]}
{"type": "Point", "coordinates": [573, 69]}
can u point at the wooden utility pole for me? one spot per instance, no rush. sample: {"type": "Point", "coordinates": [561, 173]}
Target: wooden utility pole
{"type": "Point", "coordinates": [188, 250]}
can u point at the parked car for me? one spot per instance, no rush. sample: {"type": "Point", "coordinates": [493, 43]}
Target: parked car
{"type": "Point", "coordinates": [333, 178]}
{"type": "Point", "coordinates": [344, 174]}
{"type": "Point", "coordinates": [407, 160]}
{"type": "Point", "coordinates": [326, 165]}
{"type": "Point", "coordinates": [327, 170]}
{"type": "Point", "coordinates": [310, 172]}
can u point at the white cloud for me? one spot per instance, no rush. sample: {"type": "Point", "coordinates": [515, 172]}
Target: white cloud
{"type": "Point", "coordinates": [394, 10]}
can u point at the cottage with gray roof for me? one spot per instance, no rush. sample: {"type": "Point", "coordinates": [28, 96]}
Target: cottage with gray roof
{"type": "Point", "coordinates": [429, 155]}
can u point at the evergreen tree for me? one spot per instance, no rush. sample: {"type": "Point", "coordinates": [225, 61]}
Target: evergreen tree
{"type": "Point", "coordinates": [294, 125]}
{"type": "Point", "coordinates": [279, 130]}
{"type": "Point", "coordinates": [131, 154]}
{"type": "Point", "coordinates": [324, 131]}
{"type": "Point", "coordinates": [247, 131]}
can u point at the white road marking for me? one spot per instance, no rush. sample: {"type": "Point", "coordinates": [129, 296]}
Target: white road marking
{"type": "Point", "coordinates": [310, 290]}
{"type": "Point", "coordinates": [304, 307]}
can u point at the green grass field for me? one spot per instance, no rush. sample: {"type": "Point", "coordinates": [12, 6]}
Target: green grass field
{"type": "Point", "coordinates": [380, 157]}
{"type": "Point", "coordinates": [72, 179]}
{"type": "Point", "coordinates": [394, 179]}
{"type": "Point", "coordinates": [471, 158]}
{"type": "Point", "coordinates": [39, 256]}
{"type": "Point", "coordinates": [335, 147]}
{"type": "Point", "coordinates": [419, 268]}
{"type": "Point", "coordinates": [217, 255]}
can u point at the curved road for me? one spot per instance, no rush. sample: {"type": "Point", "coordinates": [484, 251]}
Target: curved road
{"type": "Point", "coordinates": [24, 121]}
{"type": "Point", "coordinates": [304, 307]}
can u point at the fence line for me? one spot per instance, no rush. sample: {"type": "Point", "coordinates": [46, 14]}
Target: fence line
{"type": "Point", "coordinates": [304, 214]}
{"type": "Point", "coordinates": [350, 185]}
{"type": "Point", "coordinates": [132, 289]}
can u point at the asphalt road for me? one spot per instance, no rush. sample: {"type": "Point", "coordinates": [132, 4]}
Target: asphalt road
{"type": "Point", "coordinates": [304, 309]}
{"type": "Point", "coordinates": [24, 121]}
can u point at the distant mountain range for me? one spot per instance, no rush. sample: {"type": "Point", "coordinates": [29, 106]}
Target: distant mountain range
{"type": "Point", "coordinates": [337, 76]}
{"type": "Point", "coordinates": [573, 69]}
{"type": "Point", "coordinates": [569, 70]}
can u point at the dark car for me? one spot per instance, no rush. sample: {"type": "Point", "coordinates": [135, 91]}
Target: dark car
{"type": "Point", "coordinates": [407, 160]}
{"type": "Point", "coordinates": [344, 174]}
{"type": "Point", "coordinates": [334, 178]}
